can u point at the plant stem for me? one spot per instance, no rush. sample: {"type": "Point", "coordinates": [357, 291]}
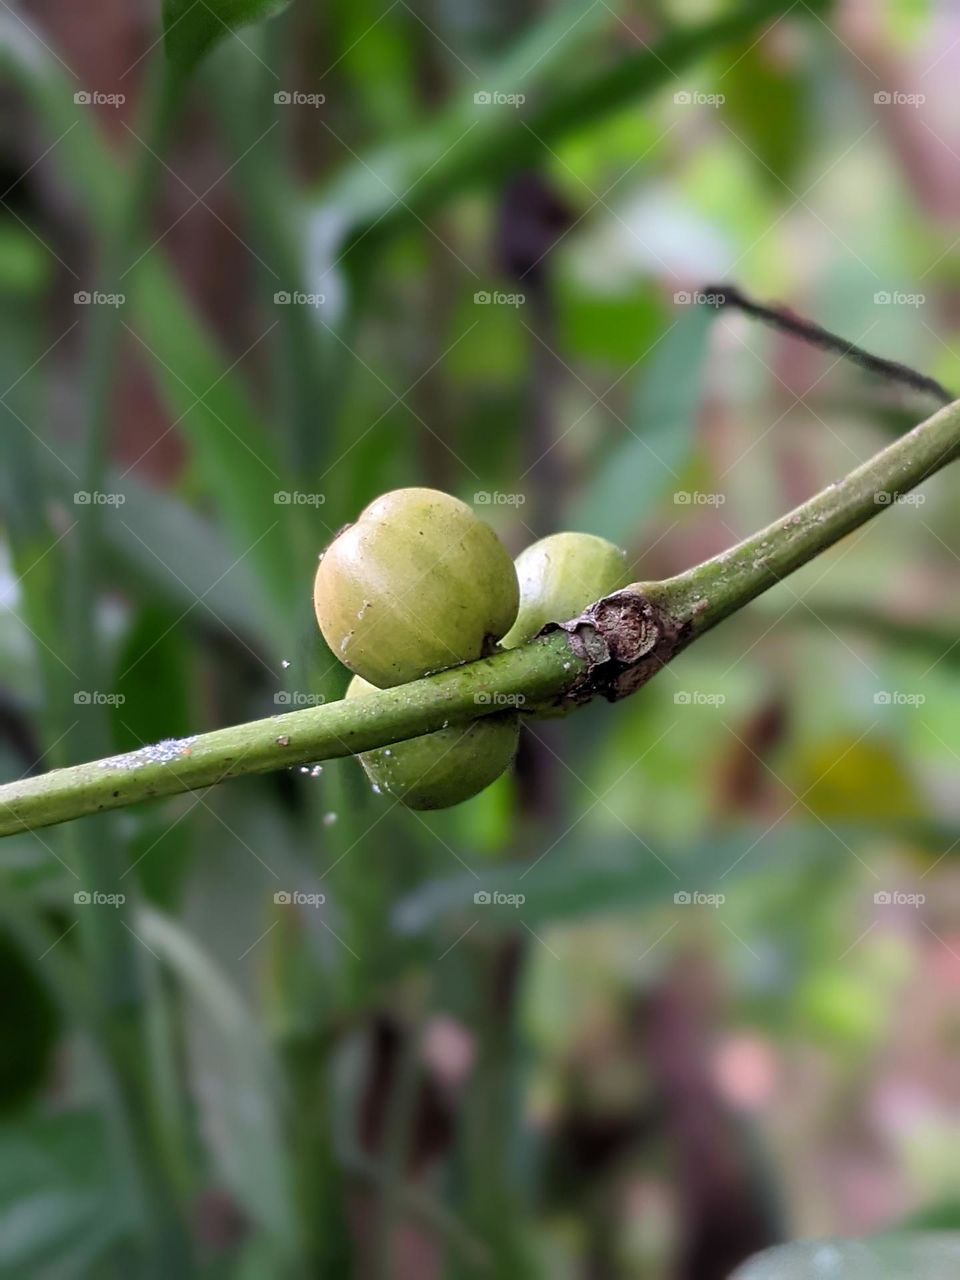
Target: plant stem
{"type": "Point", "coordinates": [327, 732]}
{"type": "Point", "coordinates": [681, 609]}
{"type": "Point", "coordinates": [710, 592]}
{"type": "Point", "coordinates": [106, 336]}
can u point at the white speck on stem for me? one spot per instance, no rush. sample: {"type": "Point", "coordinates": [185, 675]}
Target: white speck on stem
{"type": "Point", "coordinates": [163, 752]}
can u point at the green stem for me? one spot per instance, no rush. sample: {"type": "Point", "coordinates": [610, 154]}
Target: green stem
{"type": "Point", "coordinates": [106, 336]}
{"type": "Point", "coordinates": [681, 609]}
{"type": "Point", "coordinates": [711, 591]}
{"type": "Point", "coordinates": [337, 729]}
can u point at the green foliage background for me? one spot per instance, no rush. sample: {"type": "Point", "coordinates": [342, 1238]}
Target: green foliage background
{"type": "Point", "coordinates": [188, 1079]}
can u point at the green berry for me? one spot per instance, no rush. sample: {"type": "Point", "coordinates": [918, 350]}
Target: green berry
{"type": "Point", "coordinates": [443, 768]}
{"type": "Point", "coordinates": [559, 576]}
{"type": "Point", "coordinates": [417, 584]}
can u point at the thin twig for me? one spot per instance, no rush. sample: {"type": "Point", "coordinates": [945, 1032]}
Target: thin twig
{"type": "Point", "coordinates": [787, 321]}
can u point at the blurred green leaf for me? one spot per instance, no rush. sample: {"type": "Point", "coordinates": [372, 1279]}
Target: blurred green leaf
{"type": "Point", "coordinates": [157, 541]}
{"type": "Point", "coordinates": [160, 541]}
{"type": "Point", "coordinates": [151, 681]}
{"type": "Point", "coordinates": [609, 874]}
{"type": "Point", "coordinates": [766, 106]}
{"type": "Point", "coordinates": [611, 328]}
{"type": "Point", "coordinates": [851, 779]}
{"type": "Point", "coordinates": [474, 144]}
{"type": "Point", "coordinates": [942, 1216]}
{"type": "Point", "coordinates": [234, 454]}
{"type": "Point", "coordinates": [191, 28]}
{"type": "Point", "coordinates": [237, 1078]}
{"type": "Point", "coordinates": [647, 462]}
{"type": "Point", "coordinates": [59, 1210]}
{"type": "Point", "coordinates": [24, 267]}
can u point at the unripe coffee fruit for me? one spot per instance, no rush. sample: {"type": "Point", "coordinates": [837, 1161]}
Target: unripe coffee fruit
{"type": "Point", "coordinates": [417, 584]}
{"type": "Point", "coordinates": [443, 768]}
{"type": "Point", "coordinates": [559, 576]}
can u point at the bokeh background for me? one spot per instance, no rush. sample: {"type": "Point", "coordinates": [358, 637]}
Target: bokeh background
{"type": "Point", "coordinates": [366, 245]}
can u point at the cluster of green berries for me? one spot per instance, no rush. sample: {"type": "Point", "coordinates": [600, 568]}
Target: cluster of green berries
{"type": "Point", "coordinates": [418, 584]}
